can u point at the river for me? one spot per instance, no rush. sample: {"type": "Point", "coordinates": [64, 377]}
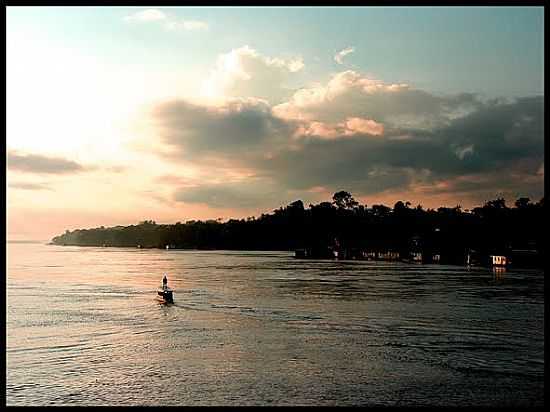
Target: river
{"type": "Point", "coordinates": [84, 327]}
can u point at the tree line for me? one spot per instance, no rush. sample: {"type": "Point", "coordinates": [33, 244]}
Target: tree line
{"type": "Point", "coordinates": [488, 228]}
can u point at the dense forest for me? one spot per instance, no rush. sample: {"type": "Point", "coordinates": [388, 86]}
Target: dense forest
{"type": "Point", "coordinates": [491, 228]}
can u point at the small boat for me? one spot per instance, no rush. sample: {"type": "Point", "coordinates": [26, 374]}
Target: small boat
{"type": "Point", "coordinates": [165, 293]}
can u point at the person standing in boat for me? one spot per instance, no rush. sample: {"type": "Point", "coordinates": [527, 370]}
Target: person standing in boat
{"type": "Point", "coordinates": [164, 282]}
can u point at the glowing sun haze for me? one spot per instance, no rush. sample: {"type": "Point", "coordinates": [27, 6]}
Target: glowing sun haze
{"type": "Point", "coordinates": [118, 115]}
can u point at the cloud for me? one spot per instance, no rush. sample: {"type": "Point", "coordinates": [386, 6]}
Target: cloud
{"type": "Point", "coordinates": [350, 127]}
{"type": "Point", "coordinates": [34, 163]}
{"type": "Point", "coordinates": [364, 134]}
{"type": "Point", "coordinates": [478, 188]}
{"type": "Point", "coordinates": [461, 152]}
{"type": "Point", "coordinates": [341, 54]}
{"type": "Point", "coordinates": [237, 125]}
{"type": "Point", "coordinates": [29, 186]}
{"type": "Point", "coordinates": [356, 125]}
{"type": "Point", "coordinates": [146, 16]}
{"type": "Point", "coordinates": [500, 133]}
{"type": "Point", "coordinates": [351, 94]}
{"type": "Point", "coordinates": [483, 141]}
{"type": "Point", "coordinates": [154, 195]}
{"type": "Point", "coordinates": [373, 164]}
{"type": "Point", "coordinates": [232, 195]}
{"type": "Point", "coordinates": [244, 72]}
{"type": "Point", "coordinates": [169, 22]}
{"type": "Point", "coordinates": [366, 165]}
{"type": "Point", "coordinates": [251, 194]}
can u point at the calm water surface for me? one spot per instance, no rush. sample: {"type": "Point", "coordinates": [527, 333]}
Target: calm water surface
{"type": "Point", "coordinates": [262, 328]}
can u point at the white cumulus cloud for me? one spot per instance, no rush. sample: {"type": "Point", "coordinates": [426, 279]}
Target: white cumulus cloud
{"type": "Point", "coordinates": [346, 94]}
{"type": "Point", "coordinates": [169, 22]}
{"type": "Point", "coordinates": [146, 16]}
{"type": "Point", "coordinates": [244, 72]}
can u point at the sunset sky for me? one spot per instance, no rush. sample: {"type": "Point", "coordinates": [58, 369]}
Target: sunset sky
{"type": "Point", "coordinates": [118, 115]}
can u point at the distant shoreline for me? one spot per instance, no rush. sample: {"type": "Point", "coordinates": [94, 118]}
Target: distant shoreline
{"type": "Point", "coordinates": [28, 241]}
{"type": "Point", "coordinates": [343, 229]}
{"type": "Point", "coordinates": [172, 249]}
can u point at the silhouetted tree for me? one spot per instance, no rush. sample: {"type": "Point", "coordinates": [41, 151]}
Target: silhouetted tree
{"type": "Point", "coordinates": [498, 203]}
{"type": "Point", "coordinates": [381, 210]}
{"type": "Point", "coordinates": [522, 202]}
{"type": "Point", "coordinates": [344, 200]}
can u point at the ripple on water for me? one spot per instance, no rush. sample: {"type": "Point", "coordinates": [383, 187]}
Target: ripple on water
{"type": "Point", "coordinates": [266, 329]}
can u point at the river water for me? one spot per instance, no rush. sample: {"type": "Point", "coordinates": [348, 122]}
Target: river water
{"type": "Point", "coordinates": [262, 328]}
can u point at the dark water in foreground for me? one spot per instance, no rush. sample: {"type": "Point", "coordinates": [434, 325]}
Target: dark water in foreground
{"type": "Point", "coordinates": [251, 328]}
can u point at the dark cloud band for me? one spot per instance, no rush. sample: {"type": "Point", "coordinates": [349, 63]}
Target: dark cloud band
{"type": "Point", "coordinates": [42, 164]}
{"type": "Point", "coordinates": [495, 137]}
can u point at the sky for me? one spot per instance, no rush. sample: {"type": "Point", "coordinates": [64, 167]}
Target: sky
{"type": "Point", "coordinates": [117, 115]}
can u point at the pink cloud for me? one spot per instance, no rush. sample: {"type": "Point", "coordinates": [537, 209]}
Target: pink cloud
{"type": "Point", "coordinates": [356, 125]}
{"type": "Point", "coordinates": [350, 127]}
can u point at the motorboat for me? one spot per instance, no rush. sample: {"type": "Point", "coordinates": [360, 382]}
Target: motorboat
{"type": "Point", "coordinates": [166, 294]}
